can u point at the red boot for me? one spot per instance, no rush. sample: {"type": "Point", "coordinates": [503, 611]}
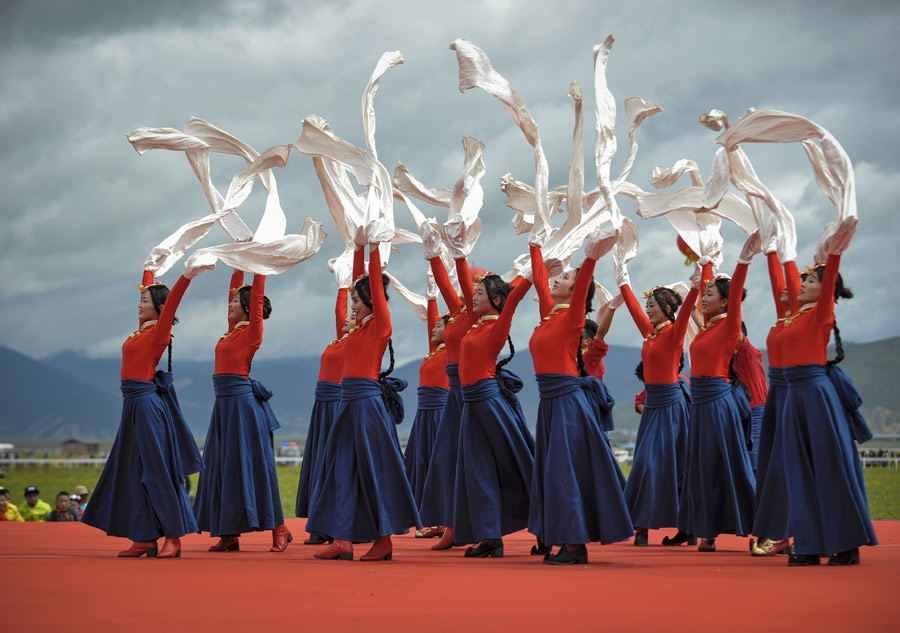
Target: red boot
{"type": "Point", "coordinates": [342, 550]}
{"type": "Point", "coordinates": [281, 536]}
{"type": "Point", "coordinates": [381, 550]}
{"type": "Point", "coordinates": [227, 544]}
{"type": "Point", "coordinates": [171, 548]}
{"type": "Point", "coordinates": [446, 541]}
{"type": "Point", "coordinates": [139, 549]}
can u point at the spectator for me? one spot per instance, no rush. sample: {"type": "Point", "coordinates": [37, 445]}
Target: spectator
{"type": "Point", "coordinates": [64, 510]}
{"type": "Point", "coordinates": [84, 493]}
{"type": "Point", "coordinates": [8, 512]}
{"type": "Point", "coordinates": [75, 504]}
{"type": "Point", "coordinates": [34, 509]}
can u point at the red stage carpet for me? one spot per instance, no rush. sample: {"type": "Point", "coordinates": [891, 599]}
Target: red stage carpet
{"type": "Point", "coordinates": [63, 577]}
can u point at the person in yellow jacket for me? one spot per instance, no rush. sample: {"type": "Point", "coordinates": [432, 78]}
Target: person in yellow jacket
{"type": "Point", "coordinates": [8, 511]}
{"type": "Point", "coordinates": [34, 509]}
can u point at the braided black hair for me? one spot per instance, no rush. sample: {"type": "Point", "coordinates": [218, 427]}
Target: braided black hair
{"type": "Point", "coordinates": [723, 285]}
{"type": "Point", "coordinates": [639, 370]}
{"type": "Point", "coordinates": [504, 389]}
{"type": "Point", "coordinates": [840, 292]}
{"type": "Point", "coordinates": [668, 301]}
{"type": "Point", "coordinates": [158, 295]}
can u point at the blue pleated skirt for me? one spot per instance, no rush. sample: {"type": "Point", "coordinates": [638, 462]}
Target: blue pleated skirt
{"type": "Point", "coordinates": [436, 504]}
{"type": "Point", "coordinates": [141, 494]}
{"type": "Point", "coordinates": [826, 490]}
{"type": "Point", "coordinates": [421, 438]}
{"type": "Point", "coordinates": [772, 518]}
{"type": "Point", "coordinates": [654, 484]}
{"type": "Point", "coordinates": [756, 416]}
{"type": "Point", "coordinates": [576, 487]}
{"type": "Point", "coordinates": [362, 493]}
{"type": "Point", "coordinates": [718, 493]}
{"type": "Point", "coordinates": [328, 396]}
{"type": "Point", "coordinates": [494, 466]}
{"type": "Point", "coordinates": [238, 488]}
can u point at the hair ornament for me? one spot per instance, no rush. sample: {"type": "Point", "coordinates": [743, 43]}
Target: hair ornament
{"type": "Point", "coordinates": [652, 290]}
{"type": "Point", "coordinates": [486, 273]}
{"type": "Point", "coordinates": [143, 287]}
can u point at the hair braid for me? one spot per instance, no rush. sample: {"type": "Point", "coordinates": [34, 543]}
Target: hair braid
{"type": "Point", "coordinates": [838, 348]}
{"type": "Point", "coordinates": [507, 393]}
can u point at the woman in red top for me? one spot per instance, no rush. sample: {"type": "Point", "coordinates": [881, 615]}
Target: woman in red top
{"type": "Point", "coordinates": [748, 364]}
{"type": "Point", "coordinates": [238, 488]}
{"type": "Point", "coordinates": [576, 489]}
{"type": "Point", "coordinates": [140, 494]}
{"type": "Point", "coordinates": [829, 513]}
{"type": "Point", "coordinates": [328, 396]}
{"type": "Point", "coordinates": [362, 494]}
{"type": "Point", "coordinates": [718, 492]}
{"type": "Point", "coordinates": [654, 484]}
{"type": "Point", "coordinates": [496, 449]}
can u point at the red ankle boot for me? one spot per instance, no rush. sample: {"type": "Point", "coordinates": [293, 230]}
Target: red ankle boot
{"type": "Point", "coordinates": [139, 549]}
{"type": "Point", "coordinates": [446, 541]}
{"type": "Point", "coordinates": [227, 544]}
{"type": "Point", "coordinates": [381, 550]}
{"type": "Point", "coordinates": [338, 550]}
{"type": "Point", "coordinates": [281, 536]}
{"type": "Point", "coordinates": [171, 548]}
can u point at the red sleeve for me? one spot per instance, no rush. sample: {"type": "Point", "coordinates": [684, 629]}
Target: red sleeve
{"type": "Point", "coordinates": [237, 280]}
{"type": "Point", "coordinates": [583, 281]}
{"type": "Point", "coordinates": [735, 290]}
{"type": "Point", "coordinates": [684, 314]}
{"type": "Point", "coordinates": [825, 305]}
{"type": "Point", "coordinates": [465, 282]}
{"type": "Point", "coordinates": [442, 279]}
{"type": "Point", "coordinates": [359, 263]}
{"type": "Point", "coordinates": [500, 331]}
{"type": "Point", "coordinates": [776, 278]}
{"type": "Point", "coordinates": [163, 328]}
{"type": "Point", "coordinates": [706, 277]}
{"type": "Point", "coordinates": [340, 312]}
{"type": "Point", "coordinates": [640, 319]}
{"type": "Point", "coordinates": [792, 280]}
{"type": "Point", "coordinates": [381, 316]}
{"type": "Point", "coordinates": [540, 280]}
{"type": "Point", "coordinates": [640, 398]}
{"type": "Point", "coordinates": [432, 321]}
{"type": "Point", "coordinates": [257, 295]}
{"type": "Point", "coordinates": [146, 278]}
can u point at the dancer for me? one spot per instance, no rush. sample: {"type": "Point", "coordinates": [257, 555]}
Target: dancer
{"type": "Point", "coordinates": [238, 488]}
{"type": "Point", "coordinates": [328, 396]}
{"type": "Point", "coordinates": [432, 393]}
{"type": "Point", "coordinates": [362, 494]}
{"type": "Point", "coordinates": [748, 364]}
{"type": "Point", "coordinates": [496, 449]}
{"type": "Point", "coordinates": [719, 490]}
{"type": "Point", "coordinates": [829, 513]}
{"type": "Point", "coordinates": [140, 494]}
{"type": "Point", "coordinates": [654, 484]}
{"type": "Point", "coordinates": [576, 489]}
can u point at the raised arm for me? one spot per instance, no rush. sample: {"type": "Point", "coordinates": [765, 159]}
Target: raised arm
{"type": "Point", "coordinates": [257, 296]}
{"type": "Point", "coordinates": [634, 308]}
{"type": "Point", "coordinates": [792, 281]}
{"type": "Point", "coordinates": [684, 313]}
{"type": "Point", "coordinates": [442, 279]}
{"type": "Point", "coordinates": [604, 321]}
{"type": "Point", "coordinates": [776, 278]}
{"type": "Point", "coordinates": [381, 317]}
{"type": "Point", "coordinates": [432, 321]}
{"type": "Point", "coordinates": [340, 312]}
{"type": "Point", "coordinates": [237, 280]}
{"type": "Point", "coordinates": [733, 320]}
{"type": "Point", "coordinates": [465, 282]}
{"type": "Point", "coordinates": [541, 280]}
{"type": "Point", "coordinates": [163, 328]}
{"type": "Point", "coordinates": [825, 305]}
{"type": "Point", "coordinates": [501, 329]}
{"type": "Point", "coordinates": [583, 281]}
{"type": "Point", "coordinates": [359, 263]}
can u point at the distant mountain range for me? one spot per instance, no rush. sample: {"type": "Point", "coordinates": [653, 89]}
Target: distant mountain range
{"type": "Point", "coordinates": [71, 396]}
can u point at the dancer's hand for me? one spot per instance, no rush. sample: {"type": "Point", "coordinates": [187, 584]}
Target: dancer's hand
{"type": "Point", "coordinates": [198, 262]}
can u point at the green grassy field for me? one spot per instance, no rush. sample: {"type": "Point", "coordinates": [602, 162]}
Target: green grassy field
{"type": "Point", "coordinates": [882, 485]}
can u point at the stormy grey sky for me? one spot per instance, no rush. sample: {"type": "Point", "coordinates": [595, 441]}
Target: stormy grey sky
{"type": "Point", "coordinates": [80, 209]}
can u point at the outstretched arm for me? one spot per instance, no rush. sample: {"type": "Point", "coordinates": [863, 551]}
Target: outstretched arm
{"type": "Point", "coordinates": [257, 296]}
{"type": "Point", "coordinates": [776, 278]}
{"type": "Point", "coordinates": [465, 282]}
{"type": "Point", "coordinates": [634, 308]}
{"type": "Point", "coordinates": [541, 280]}
{"type": "Point", "coordinates": [733, 320]}
{"type": "Point", "coordinates": [583, 281]}
{"type": "Point", "coordinates": [381, 316]}
{"type": "Point", "coordinates": [340, 312]}
{"type": "Point", "coordinates": [792, 281]}
{"type": "Point", "coordinates": [501, 329]}
{"type": "Point", "coordinates": [442, 279]}
{"type": "Point", "coordinates": [825, 305]}
{"type": "Point", "coordinates": [163, 328]}
{"type": "Point", "coordinates": [431, 322]}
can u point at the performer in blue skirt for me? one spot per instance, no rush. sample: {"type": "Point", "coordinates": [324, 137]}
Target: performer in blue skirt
{"type": "Point", "coordinates": [363, 494]}
{"type": "Point", "coordinates": [576, 489]}
{"type": "Point", "coordinates": [238, 488]}
{"type": "Point", "coordinates": [141, 494]}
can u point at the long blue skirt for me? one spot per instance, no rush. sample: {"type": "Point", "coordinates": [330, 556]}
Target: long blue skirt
{"type": "Point", "coordinates": [756, 416]}
{"type": "Point", "coordinates": [772, 518]}
{"type": "Point", "coordinates": [576, 488]}
{"type": "Point", "coordinates": [421, 438]}
{"type": "Point", "coordinates": [718, 494]}
{"type": "Point", "coordinates": [328, 396]}
{"type": "Point", "coordinates": [141, 494]}
{"type": "Point", "coordinates": [238, 488]}
{"type": "Point", "coordinates": [654, 484]}
{"type": "Point", "coordinates": [494, 466]}
{"type": "Point", "coordinates": [363, 493]}
{"type": "Point", "coordinates": [436, 504]}
{"type": "Point", "coordinates": [826, 489]}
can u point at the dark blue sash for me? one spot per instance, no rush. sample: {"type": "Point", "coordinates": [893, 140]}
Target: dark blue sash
{"type": "Point", "coordinates": [431, 397]}
{"type": "Point", "coordinates": [663, 394]}
{"type": "Point", "coordinates": [327, 391]}
{"type": "Point", "coordinates": [230, 385]}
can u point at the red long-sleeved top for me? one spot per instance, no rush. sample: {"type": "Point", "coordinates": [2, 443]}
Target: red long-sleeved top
{"type": "Point", "coordinates": [593, 357]}
{"type": "Point", "coordinates": [432, 371]}
{"type": "Point", "coordinates": [142, 350]}
{"type": "Point", "coordinates": [461, 318]}
{"type": "Point", "coordinates": [806, 332]}
{"type": "Point", "coordinates": [662, 348]}
{"type": "Point", "coordinates": [774, 344]}
{"type": "Point", "coordinates": [236, 348]}
{"type": "Point", "coordinates": [484, 340]}
{"type": "Point", "coordinates": [554, 343]}
{"type": "Point", "coordinates": [712, 348]}
{"type": "Point", "coordinates": [369, 338]}
{"type": "Point", "coordinates": [748, 363]}
{"type": "Point", "coordinates": [331, 364]}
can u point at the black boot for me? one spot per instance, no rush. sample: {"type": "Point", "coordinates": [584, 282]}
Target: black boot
{"type": "Point", "coordinates": [850, 557]}
{"type": "Point", "coordinates": [541, 550]}
{"type": "Point", "coordinates": [640, 537]}
{"type": "Point", "coordinates": [565, 556]}
{"type": "Point", "coordinates": [680, 538]}
{"type": "Point", "coordinates": [491, 548]}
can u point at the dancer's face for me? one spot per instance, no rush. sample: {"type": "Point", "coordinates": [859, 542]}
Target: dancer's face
{"type": "Point", "coordinates": [713, 302]}
{"type": "Point", "coordinates": [146, 310]}
{"type": "Point", "coordinates": [654, 312]}
{"type": "Point", "coordinates": [360, 309]}
{"type": "Point", "coordinates": [563, 286]}
{"type": "Point", "coordinates": [236, 311]}
{"type": "Point", "coordinates": [809, 289]}
{"type": "Point", "coordinates": [481, 303]}
{"type": "Point", "coordinates": [437, 332]}
{"type": "Point", "coordinates": [348, 324]}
